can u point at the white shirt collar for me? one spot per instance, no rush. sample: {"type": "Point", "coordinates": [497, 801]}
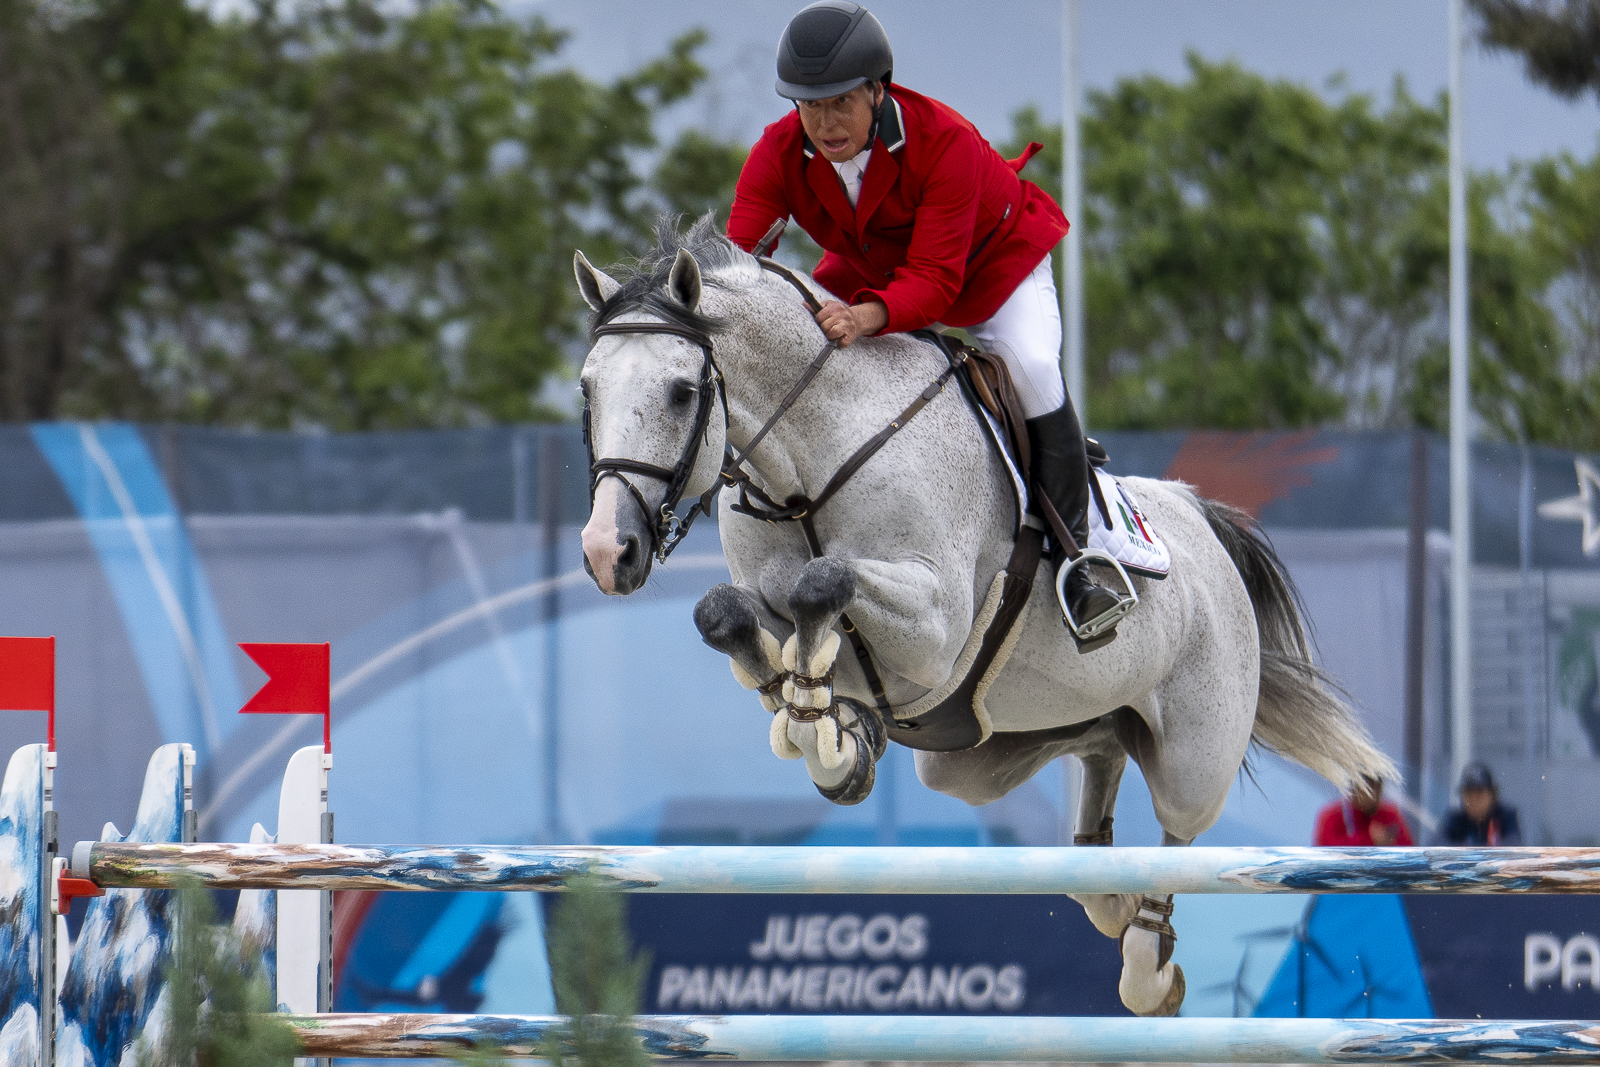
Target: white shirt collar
{"type": "Point", "coordinates": [858, 170]}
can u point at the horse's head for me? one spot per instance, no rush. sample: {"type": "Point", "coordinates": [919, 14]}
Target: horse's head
{"type": "Point", "coordinates": [654, 419]}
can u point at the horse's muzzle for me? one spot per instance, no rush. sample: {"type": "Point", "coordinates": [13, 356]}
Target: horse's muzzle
{"type": "Point", "coordinates": [616, 544]}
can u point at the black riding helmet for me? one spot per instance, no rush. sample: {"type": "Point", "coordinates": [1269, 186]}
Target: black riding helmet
{"type": "Point", "coordinates": [829, 48]}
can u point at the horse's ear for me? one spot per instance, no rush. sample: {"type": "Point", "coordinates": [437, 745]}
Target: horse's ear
{"type": "Point", "coordinates": [596, 285]}
{"type": "Point", "coordinates": [684, 281]}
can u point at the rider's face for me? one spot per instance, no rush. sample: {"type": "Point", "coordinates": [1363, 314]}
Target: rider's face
{"type": "Point", "coordinates": [839, 125]}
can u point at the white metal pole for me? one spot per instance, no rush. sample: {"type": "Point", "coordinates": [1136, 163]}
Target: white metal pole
{"type": "Point", "coordinates": [1071, 308]}
{"type": "Point", "coordinates": [1460, 424]}
{"type": "Point", "coordinates": [1072, 202]}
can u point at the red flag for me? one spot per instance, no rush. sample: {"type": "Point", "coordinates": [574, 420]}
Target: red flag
{"type": "Point", "coordinates": [298, 678]}
{"type": "Point", "coordinates": [28, 678]}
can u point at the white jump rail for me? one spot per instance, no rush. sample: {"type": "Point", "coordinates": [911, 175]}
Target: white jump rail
{"type": "Point", "coordinates": [719, 869]}
{"type": "Point", "coordinates": [986, 1039]}
{"type": "Point", "coordinates": [773, 869]}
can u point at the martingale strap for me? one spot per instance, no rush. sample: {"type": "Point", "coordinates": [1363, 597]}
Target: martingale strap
{"type": "Point", "coordinates": [753, 501]}
{"type": "Point", "coordinates": [668, 530]}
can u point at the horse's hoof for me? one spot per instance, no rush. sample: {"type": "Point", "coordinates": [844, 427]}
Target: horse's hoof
{"type": "Point", "coordinates": [1169, 1003]}
{"type": "Point", "coordinates": [869, 725]}
{"type": "Point", "coordinates": [1174, 998]}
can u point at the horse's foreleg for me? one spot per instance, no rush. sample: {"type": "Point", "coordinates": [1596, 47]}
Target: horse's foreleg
{"type": "Point", "coordinates": [825, 589]}
{"type": "Point", "coordinates": [840, 739]}
{"type": "Point", "coordinates": [735, 621]}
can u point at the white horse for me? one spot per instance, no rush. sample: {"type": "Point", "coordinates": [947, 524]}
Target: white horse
{"type": "Point", "coordinates": [694, 348]}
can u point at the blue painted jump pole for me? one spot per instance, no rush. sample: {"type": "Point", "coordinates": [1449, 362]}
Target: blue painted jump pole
{"type": "Point", "coordinates": [773, 869]}
{"type": "Point", "coordinates": [1014, 1038]}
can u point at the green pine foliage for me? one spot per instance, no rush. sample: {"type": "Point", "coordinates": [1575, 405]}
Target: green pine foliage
{"type": "Point", "coordinates": [219, 1002]}
{"type": "Point", "coordinates": [482, 1056]}
{"type": "Point", "coordinates": [597, 978]}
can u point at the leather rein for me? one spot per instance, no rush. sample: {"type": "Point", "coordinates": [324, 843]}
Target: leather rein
{"type": "Point", "coordinates": [668, 530]}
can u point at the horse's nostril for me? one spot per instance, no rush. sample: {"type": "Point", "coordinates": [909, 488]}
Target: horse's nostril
{"type": "Point", "coordinates": [630, 551]}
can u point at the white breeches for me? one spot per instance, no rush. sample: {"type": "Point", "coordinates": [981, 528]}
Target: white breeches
{"type": "Point", "coordinates": [1026, 333]}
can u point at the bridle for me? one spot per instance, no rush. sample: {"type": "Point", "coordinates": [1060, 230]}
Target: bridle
{"type": "Point", "coordinates": [667, 530]}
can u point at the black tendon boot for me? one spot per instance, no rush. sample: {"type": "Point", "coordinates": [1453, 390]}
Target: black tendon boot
{"type": "Point", "coordinates": [1061, 476]}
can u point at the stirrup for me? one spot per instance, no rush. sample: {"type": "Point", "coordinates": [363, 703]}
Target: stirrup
{"type": "Point", "coordinates": [1107, 620]}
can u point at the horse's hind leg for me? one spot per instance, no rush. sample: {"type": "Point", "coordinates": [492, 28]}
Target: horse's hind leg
{"type": "Point", "coordinates": [1189, 763]}
{"type": "Point", "coordinates": [1103, 765]}
{"type": "Point", "coordinates": [1151, 983]}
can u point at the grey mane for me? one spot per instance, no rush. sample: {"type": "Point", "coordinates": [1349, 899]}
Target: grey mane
{"type": "Point", "coordinates": [644, 281]}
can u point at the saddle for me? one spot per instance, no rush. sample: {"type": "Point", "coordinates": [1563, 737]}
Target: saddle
{"type": "Point", "coordinates": [986, 381]}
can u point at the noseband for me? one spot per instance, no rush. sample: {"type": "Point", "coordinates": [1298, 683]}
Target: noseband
{"type": "Point", "coordinates": [667, 530]}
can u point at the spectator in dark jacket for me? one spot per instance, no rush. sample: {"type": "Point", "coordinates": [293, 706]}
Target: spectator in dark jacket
{"type": "Point", "coordinates": [1481, 819]}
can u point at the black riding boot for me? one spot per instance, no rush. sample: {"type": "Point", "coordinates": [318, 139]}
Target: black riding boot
{"type": "Point", "coordinates": [1061, 475]}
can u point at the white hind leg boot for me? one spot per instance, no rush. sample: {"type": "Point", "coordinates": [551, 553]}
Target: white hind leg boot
{"type": "Point", "coordinates": [1151, 983]}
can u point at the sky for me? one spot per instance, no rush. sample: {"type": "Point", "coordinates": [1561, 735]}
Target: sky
{"type": "Point", "coordinates": [989, 58]}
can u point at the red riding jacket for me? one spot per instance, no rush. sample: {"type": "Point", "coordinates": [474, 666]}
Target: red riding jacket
{"type": "Point", "coordinates": [944, 230]}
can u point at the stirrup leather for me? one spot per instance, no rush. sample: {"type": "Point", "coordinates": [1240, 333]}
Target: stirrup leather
{"type": "Point", "coordinates": [1106, 621]}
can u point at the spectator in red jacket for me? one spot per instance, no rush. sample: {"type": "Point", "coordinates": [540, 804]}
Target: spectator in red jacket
{"type": "Point", "coordinates": [922, 223]}
{"type": "Point", "coordinates": [1362, 817]}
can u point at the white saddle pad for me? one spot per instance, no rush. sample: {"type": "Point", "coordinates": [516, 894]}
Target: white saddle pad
{"type": "Point", "coordinates": [1129, 537]}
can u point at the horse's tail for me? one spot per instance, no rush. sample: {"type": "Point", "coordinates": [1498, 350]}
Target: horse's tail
{"type": "Point", "coordinates": [1301, 713]}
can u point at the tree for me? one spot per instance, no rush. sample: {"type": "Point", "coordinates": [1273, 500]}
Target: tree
{"type": "Point", "coordinates": [597, 978]}
{"type": "Point", "coordinates": [59, 175]}
{"type": "Point", "coordinates": [1258, 255]}
{"type": "Point", "coordinates": [1562, 204]}
{"type": "Point", "coordinates": [1559, 40]}
{"type": "Point", "coordinates": [698, 173]}
{"type": "Point", "coordinates": [338, 213]}
{"type": "Point", "coordinates": [219, 1009]}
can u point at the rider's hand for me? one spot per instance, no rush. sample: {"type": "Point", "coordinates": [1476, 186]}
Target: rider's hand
{"type": "Point", "coordinates": [843, 324]}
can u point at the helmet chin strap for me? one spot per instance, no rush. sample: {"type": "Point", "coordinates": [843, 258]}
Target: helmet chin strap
{"type": "Point", "coordinates": [877, 112]}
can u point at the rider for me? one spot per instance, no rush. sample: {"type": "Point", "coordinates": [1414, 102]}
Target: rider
{"type": "Point", "coordinates": [922, 222]}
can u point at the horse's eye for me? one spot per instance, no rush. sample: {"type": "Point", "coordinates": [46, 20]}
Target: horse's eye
{"type": "Point", "coordinates": [682, 391]}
